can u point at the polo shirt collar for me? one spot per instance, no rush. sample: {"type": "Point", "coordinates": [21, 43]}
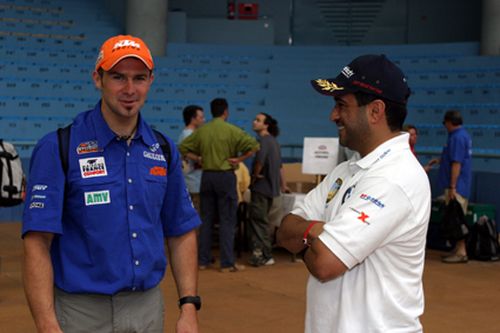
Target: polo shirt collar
{"type": "Point", "coordinates": [391, 146]}
{"type": "Point", "coordinates": [105, 135]}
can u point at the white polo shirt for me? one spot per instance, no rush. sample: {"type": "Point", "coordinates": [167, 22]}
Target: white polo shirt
{"type": "Point", "coordinates": [376, 211]}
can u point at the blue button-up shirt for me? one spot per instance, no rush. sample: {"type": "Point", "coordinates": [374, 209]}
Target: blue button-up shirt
{"type": "Point", "coordinates": [458, 149]}
{"type": "Point", "coordinates": [111, 213]}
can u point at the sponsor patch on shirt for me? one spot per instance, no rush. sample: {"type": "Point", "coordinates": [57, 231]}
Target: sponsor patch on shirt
{"type": "Point", "coordinates": [154, 147]}
{"type": "Point", "coordinates": [373, 200]}
{"type": "Point", "coordinates": [87, 147]}
{"type": "Point", "coordinates": [333, 190]}
{"type": "Point", "coordinates": [37, 204]}
{"type": "Point", "coordinates": [158, 171]}
{"type": "Point", "coordinates": [348, 193]}
{"type": "Point", "coordinates": [39, 187]}
{"type": "Point", "coordinates": [153, 156]}
{"type": "Point", "coordinates": [97, 198]}
{"type": "Point", "coordinates": [362, 216]}
{"type": "Point", "coordinates": [93, 167]}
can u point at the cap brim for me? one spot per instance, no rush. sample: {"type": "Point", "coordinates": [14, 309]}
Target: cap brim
{"type": "Point", "coordinates": [331, 87]}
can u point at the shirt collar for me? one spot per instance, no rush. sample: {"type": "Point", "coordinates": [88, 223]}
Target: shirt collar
{"type": "Point", "coordinates": [104, 134]}
{"type": "Point", "coordinates": [390, 146]}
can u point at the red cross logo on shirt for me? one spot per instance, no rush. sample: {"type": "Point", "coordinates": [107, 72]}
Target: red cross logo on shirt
{"type": "Point", "coordinates": [362, 216]}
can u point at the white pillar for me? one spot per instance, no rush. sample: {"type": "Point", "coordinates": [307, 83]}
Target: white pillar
{"type": "Point", "coordinates": [490, 27]}
{"type": "Point", "coordinates": [147, 19]}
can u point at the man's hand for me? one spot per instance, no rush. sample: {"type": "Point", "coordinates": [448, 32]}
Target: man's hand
{"type": "Point", "coordinates": [452, 194]}
{"type": "Point", "coordinates": [188, 320]}
{"type": "Point", "coordinates": [234, 161]}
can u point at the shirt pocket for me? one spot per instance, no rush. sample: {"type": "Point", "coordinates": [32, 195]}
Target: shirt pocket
{"type": "Point", "coordinates": [95, 202]}
{"type": "Point", "coordinates": [155, 181]}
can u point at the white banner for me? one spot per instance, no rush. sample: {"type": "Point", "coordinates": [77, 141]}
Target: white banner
{"type": "Point", "coordinates": [320, 155]}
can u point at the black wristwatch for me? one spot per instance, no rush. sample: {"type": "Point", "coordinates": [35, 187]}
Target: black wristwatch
{"type": "Point", "coordinates": [196, 300]}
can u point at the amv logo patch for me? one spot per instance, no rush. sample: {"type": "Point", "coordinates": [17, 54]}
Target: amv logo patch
{"type": "Point", "coordinates": [97, 198]}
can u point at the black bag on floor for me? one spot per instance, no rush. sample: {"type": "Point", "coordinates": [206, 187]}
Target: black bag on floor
{"type": "Point", "coordinates": [453, 225]}
{"type": "Point", "coordinates": [483, 240]}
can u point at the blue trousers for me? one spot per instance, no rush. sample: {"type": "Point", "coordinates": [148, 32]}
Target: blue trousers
{"type": "Point", "coordinates": [219, 202]}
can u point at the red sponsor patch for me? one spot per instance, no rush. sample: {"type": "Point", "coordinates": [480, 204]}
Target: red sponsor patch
{"type": "Point", "coordinates": [87, 147]}
{"type": "Point", "coordinates": [158, 171]}
{"type": "Point", "coordinates": [362, 216]}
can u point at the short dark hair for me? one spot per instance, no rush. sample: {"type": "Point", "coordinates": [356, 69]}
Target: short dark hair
{"type": "Point", "coordinates": [272, 124]}
{"type": "Point", "coordinates": [454, 117]}
{"type": "Point", "coordinates": [218, 106]}
{"type": "Point", "coordinates": [408, 127]}
{"type": "Point", "coordinates": [395, 113]}
{"type": "Point", "coordinates": [189, 113]}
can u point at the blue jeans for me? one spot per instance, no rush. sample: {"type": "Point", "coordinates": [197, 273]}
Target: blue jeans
{"type": "Point", "coordinates": [219, 202]}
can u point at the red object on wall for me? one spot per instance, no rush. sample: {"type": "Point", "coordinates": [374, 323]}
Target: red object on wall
{"type": "Point", "coordinates": [231, 9]}
{"type": "Point", "coordinates": [248, 11]}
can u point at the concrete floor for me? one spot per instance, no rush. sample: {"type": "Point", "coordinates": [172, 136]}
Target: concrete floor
{"type": "Point", "coordinates": [459, 298]}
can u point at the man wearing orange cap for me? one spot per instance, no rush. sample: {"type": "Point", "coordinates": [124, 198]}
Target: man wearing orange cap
{"type": "Point", "coordinates": [102, 200]}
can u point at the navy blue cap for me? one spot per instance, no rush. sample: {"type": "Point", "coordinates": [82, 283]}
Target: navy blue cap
{"type": "Point", "coordinates": [372, 74]}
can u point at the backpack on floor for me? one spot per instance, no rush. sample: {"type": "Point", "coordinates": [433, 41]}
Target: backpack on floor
{"type": "Point", "coordinates": [12, 181]}
{"type": "Point", "coordinates": [483, 240]}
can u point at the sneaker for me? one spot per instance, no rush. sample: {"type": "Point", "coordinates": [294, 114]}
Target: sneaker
{"type": "Point", "coordinates": [202, 267]}
{"type": "Point", "coordinates": [455, 259]}
{"type": "Point", "coordinates": [269, 262]}
{"type": "Point", "coordinates": [233, 269]}
{"type": "Point", "coordinates": [256, 261]}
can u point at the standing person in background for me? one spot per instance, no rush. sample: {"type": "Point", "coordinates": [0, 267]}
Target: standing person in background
{"type": "Point", "coordinates": [364, 227]}
{"type": "Point", "coordinates": [94, 233]}
{"type": "Point", "coordinates": [412, 130]}
{"type": "Point", "coordinates": [194, 117]}
{"type": "Point", "coordinates": [219, 147]}
{"type": "Point", "coordinates": [266, 185]}
{"type": "Point", "coordinates": [455, 173]}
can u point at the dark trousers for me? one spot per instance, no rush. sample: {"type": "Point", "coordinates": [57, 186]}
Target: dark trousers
{"type": "Point", "coordinates": [219, 202]}
{"type": "Point", "coordinates": [260, 205]}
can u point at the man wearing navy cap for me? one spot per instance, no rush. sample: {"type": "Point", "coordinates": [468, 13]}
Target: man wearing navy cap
{"type": "Point", "coordinates": [363, 229]}
{"type": "Point", "coordinates": [94, 233]}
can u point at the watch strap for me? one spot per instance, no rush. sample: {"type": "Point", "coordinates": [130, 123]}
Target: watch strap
{"type": "Point", "coordinates": [195, 300]}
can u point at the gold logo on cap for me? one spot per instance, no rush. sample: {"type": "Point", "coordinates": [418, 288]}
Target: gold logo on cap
{"type": "Point", "coordinates": [327, 85]}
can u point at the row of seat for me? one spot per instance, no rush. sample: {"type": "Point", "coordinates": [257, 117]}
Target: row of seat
{"type": "Point", "coordinates": [483, 136]}
{"type": "Point", "coordinates": [49, 107]}
{"type": "Point", "coordinates": [479, 113]}
{"type": "Point", "coordinates": [17, 91]}
{"type": "Point", "coordinates": [471, 94]}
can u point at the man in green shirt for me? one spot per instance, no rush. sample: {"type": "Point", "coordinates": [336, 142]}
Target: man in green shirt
{"type": "Point", "coordinates": [219, 147]}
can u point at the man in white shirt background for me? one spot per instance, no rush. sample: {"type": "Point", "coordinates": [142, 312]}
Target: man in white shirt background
{"type": "Point", "coordinates": [194, 117]}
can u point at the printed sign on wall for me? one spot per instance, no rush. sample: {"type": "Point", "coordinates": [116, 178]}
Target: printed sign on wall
{"type": "Point", "coordinates": [320, 155]}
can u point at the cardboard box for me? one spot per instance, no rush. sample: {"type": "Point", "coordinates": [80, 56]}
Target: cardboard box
{"type": "Point", "coordinates": [296, 180]}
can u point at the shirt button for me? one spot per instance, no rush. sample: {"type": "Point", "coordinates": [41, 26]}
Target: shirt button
{"type": "Point", "coordinates": [134, 235]}
{"type": "Point", "coordinates": [137, 262]}
{"type": "Point", "coordinates": [130, 180]}
{"type": "Point", "coordinates": [131, 207]}
{"type": "Point", "coordinates": [128, 153]}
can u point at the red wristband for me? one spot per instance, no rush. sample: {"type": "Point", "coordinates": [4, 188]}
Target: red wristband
{"type": "Point", "coordinates": [306, 233]}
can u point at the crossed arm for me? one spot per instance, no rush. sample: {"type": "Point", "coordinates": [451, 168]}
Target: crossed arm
{"type": "Point", "coordinates": [320, 261]}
